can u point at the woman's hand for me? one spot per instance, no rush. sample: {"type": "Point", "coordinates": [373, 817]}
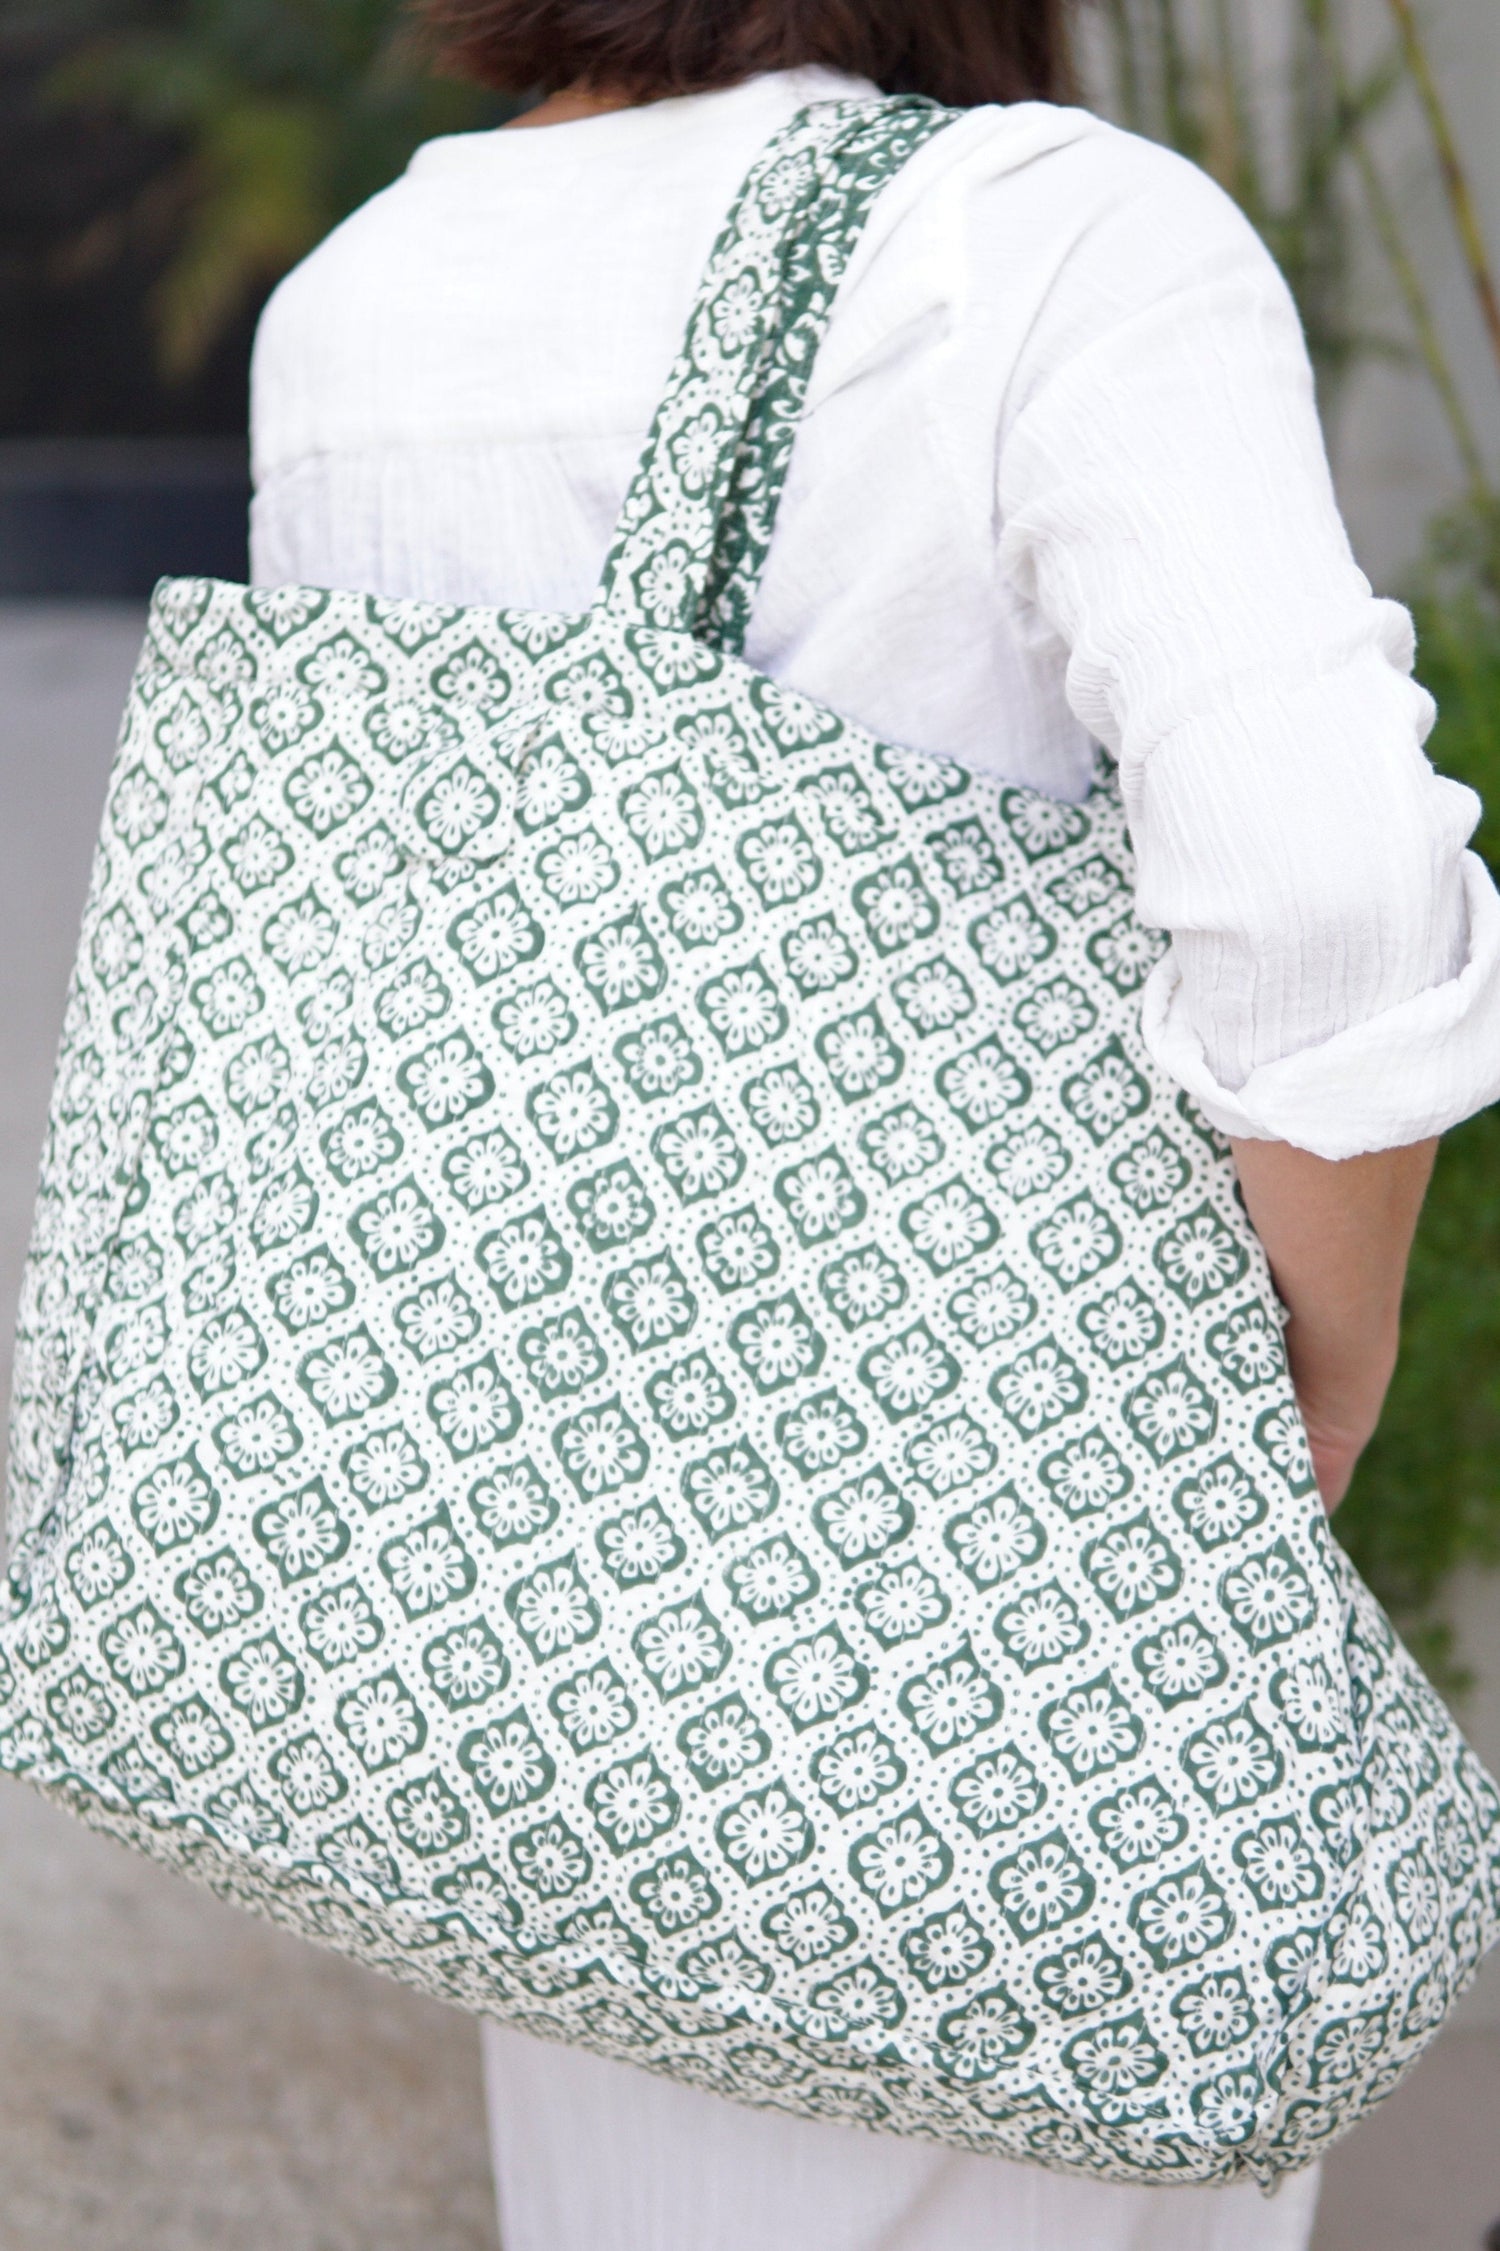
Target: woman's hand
{"type": "Point", "coordinates": [1338, 1237]}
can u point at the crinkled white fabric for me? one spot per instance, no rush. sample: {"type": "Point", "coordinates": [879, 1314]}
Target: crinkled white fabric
{"type": "Point", "coordinates": [597, 2156]}
{"type": "Point", "coordinates": [1061, 474]}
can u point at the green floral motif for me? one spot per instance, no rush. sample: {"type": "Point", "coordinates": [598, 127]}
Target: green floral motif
{"type": "Point", "coordinates": [979, 2039]}
{"type": "Point", "coordinates": [904, 1601]}
{"type": "Point", "coordinates": [495, 935]}
{"type": "Point", "coordinates": [722, 1743]}
{"type": "Point", "coordinates": [953, 1701]}
{"type": "Point", "coordinates": [427, 1817]}
{"type": "Point", "coordinates": [689, 1397]}
{"type": "Point", "coordinates": [473, 1409]}
{"type": "Point", "coordinates": [1076, 1242]}
{"type": "Point", "coordinates": [506, 1763]}
{"type": "Point", "coordinates": [771, 1579]}
{"type": "Point", "coordinates": [381, 1720]}
{"type": "Point", "coordinates": [856, 1769]}
{"type": "Point", "coordinates": [764, 1834]}
{"type": "Point", "coordinates": [950, 1225]}
{"type": "Point", "coordinates": [175, 1503]}
{"type": "Point", "coordinates": [98, 1566]}
{"type": "Point", "coordinates": [998, 1792]}
{"type": "Point", "coordinates": [949, 1949]}
{"type": "Point", "coordinates": [910, 1372]}
{"type": "Point", "coordinates": [1199, 1256]}
{"type": "Point", "coordinates": [1268, 1597]}
{"type": "Point", "coordinates": [1042, 1887]}
{"type": "Point", "coordinates": [1132, 1566]}
{"type": "Point", "coordinates": [1172, 1412]}
{"type": "Point", "coordinates": [996, 1538]}
{"type": "Point", "coordinates": [859, 1055]}
{"type": "Point", "coordinates": [1083, 1978]}
{"type": "Point", "coordinates": [562, 1355]}
{"type": "Point", "coordinates": [818, 956]}
{"type": "Point", "coordinates": [633, 1390]}
{"type": "Point", "coordinates": [821, 1197]}
{"type": "Point", "coordinates": [347, 1376]}
{"type": "Point", "coordinates": [217, 1592]}
{"type": "Point", "coordinates": [640, 1545]}
{"type": "Point", "coordinates": [262, 1682]}
{"type": "Point", "coordinates": [676, 1894]}
{"type": "Point", "coordinates": [863, 1286]}
{"type": "Point", "coordinates": [467, 1665]}
{"type": "Point", "coordinates": [1248, 1347]}
{"type": "Point", "coordinates": [593, 1707]}
{"type": "Point", "coordinates": [730, 1488]}
{"type": "Point", "coordinates": [524, 1259]}
{"type": "Point", "coordinates": [1107, 1094]}
{"type": "Point", "coordinates": [901, 1862]}
{"type": "Point", "coordinates": [698, 1154]}
{"type": "Point", "coordinates": [681, 1648]}
{"type": "Point", "coordinates": [1092, 1729]}
{"type": "Point", "coordinates": [612, 1207]}
{"type": "Point", "coordinates": [632, 1803]}
{"type": "Point", "coordinates": [1220, 1503]}
{"type": "Point", "coordinates": [339, 1625]}
{"type": "Point", "coordinates": [1116, 2068]}
{"type": "Point", "coordinates": [864, 1518]}
{"type": "Point", "coordinates": [1233, 1761]}
{"type": "Point", "coordinates": [428, 1566]}
{"type": "Point", "coordinates": [1043, 1627]}
{"type": "Point", "coordinates": [302, 1533]}
{"type": "Point", "coordinates": [141, 1651]}
{"type": "Point", "coordinates": [700, 909]}
{"type": "Point", "coordinates": [1184, 1917]}
{"type": "Point", "coordinates": [815, 1678]}
{"type": "Point", "coordinates": [1180, 1661]}
{"type": "Point", "coordinates": [1028, 1160]}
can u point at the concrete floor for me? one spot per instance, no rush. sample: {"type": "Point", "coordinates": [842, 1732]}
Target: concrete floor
{"type": "Point", "coordinates": [173, 2076]}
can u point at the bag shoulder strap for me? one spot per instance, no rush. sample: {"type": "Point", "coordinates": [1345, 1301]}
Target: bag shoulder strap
{"type": "Point", "coordinates": [696, 526]}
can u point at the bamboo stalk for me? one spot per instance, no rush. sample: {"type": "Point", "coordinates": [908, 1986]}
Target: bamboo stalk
{"type": "Point", "coordinates": [1398, 254]}
{"type": "Point", "coordinates": [1239, 170]}
{"type": "Point", "coordinates": [1455, 178]}
{"type": "Point", "coordinates": [1127, 65]}
{"type": "Point", "coordinates": [1182, 126]}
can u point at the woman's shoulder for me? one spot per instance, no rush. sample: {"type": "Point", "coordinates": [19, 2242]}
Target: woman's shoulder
{"type": "Point", "coordinates": [1074, 175]}
{"type": "Point", "coordinates": [1069, 170]}
{"type": "Point", "coordinates": [385, 230]}
{"type": "Point", "coordinates": [1028, 233]}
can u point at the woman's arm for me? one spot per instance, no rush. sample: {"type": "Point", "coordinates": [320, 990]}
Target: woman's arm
{"type": "Point", "coordinates": [1338, 1237]}
{"type": "Point", "coordinates": [1166, 507]}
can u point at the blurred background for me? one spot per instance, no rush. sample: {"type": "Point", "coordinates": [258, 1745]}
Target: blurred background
{"type": "Point", "coordinates": [174, 2076]}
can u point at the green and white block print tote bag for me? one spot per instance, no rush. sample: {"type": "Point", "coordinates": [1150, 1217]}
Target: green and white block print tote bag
{"type": "Point", "coordinates": [637, 1405]}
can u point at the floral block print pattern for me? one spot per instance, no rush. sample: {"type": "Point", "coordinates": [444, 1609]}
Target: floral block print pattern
{"type": "Point", "coordinates": [636, 1404]}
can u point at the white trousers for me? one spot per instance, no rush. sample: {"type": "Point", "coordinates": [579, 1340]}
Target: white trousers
{"type": "Point", "coordinates": [596, 2156]}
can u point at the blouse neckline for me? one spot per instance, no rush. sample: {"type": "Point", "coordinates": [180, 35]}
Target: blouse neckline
{"type": "Point", "coordinates": [778, 92]}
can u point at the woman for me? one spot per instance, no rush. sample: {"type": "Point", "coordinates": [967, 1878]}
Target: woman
{"type": "Point", "coordinates": [1060, 477]}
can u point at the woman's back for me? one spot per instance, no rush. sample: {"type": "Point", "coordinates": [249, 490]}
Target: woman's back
{"type": "Point", "coordinates": [452, 396]}
{"type": "Point", "coordinates": [1061, 475]}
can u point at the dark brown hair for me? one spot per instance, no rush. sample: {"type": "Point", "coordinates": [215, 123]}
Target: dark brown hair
{"type": "Point", "coordinates": [960, 52]}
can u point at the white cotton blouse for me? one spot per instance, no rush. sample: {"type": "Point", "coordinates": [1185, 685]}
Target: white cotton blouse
{"type": "Point", "coordinates": [1060, 477]}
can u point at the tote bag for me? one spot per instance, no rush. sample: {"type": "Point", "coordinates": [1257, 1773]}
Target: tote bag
{"type": "Point", "coordinates": [636, 1403]}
